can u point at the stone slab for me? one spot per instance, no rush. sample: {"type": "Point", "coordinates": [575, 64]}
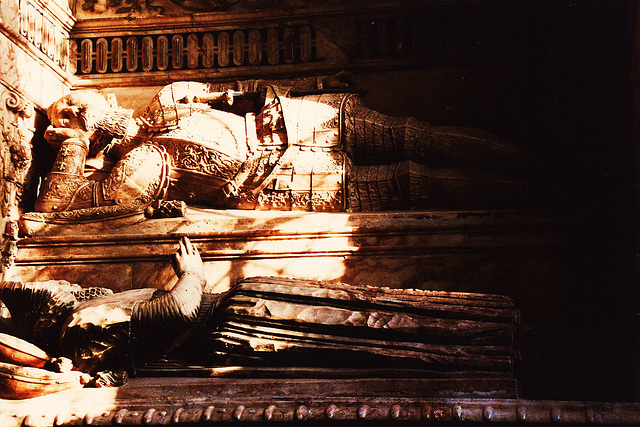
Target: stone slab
{"type": "Point", "coordinates": [464, 251]}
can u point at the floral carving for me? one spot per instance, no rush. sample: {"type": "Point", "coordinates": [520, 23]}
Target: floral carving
{"type": "Point", "coordinates": [197, 158]}
{"type": "Point", "coordinates": [122, 6]}
{"type": "Point", "coordinates": [139, 6]}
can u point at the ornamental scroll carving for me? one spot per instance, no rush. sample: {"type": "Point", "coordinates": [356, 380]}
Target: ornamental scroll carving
{"type": "Point", "coordinates": [197, 158]}
{"type": "Point", "coordinates": [17, 124]}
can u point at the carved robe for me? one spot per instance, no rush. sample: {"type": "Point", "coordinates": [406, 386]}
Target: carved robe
{"type": "Point", "coordinates": [274, 322]}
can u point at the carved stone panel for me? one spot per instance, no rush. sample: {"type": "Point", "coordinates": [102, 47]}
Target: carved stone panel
{"type": "Point", "coordinates": [17, 127]}
{"type": "Point", "coordinates": [17, 121]}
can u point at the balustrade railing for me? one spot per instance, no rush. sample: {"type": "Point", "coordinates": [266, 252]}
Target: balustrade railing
{"type": "Point", "coordinates": [198, 50]}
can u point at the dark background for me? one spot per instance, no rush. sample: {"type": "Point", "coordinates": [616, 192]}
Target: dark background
{"type": "Point", "coordinates": [556, 77]}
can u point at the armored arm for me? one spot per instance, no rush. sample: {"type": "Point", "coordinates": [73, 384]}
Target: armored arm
{"type": "Point", "coordinates": [157, 323]}
{"type": "Point", "coordinates": [137, 179]}
{"type": "Point", "coordinates": [65, 181]}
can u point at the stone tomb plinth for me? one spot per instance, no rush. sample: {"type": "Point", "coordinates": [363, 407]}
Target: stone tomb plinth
{"type": "Point", "coordinates": [474, 251]}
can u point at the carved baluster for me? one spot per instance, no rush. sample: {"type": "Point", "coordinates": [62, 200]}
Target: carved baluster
{"type": "Point", "coordinates": [147, 53]}
{"type": "Point", "coordinates": [132, 54]}
{"type": "Point", "coordinates": [177, 52]}
{"type": "Point", "coordinates": [163, 53]}
{"type": "Point", "coordinates": [207, 50]}
{"type": "Point", "coordinates": [255, 47]}
{"type": "Point", "coordinates": [192, 51]}
{"type": "Point", "coordinates": [306, 52]}
{"type": "Point", "coordinates": [223, 49]}
{"type": "Point", "coordinates": [289, 45]}
{"type": "Point", "coordinates": [273, 47]}
{"type": "Point", "coordinates": [101, 55]}
{"type": "Point", "coordinates": [238, 48]}
{"type": "Point", "coordinates": [86, 55]}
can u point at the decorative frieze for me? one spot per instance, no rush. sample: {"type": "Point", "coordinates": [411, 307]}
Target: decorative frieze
{"type": "Point", "coordinates": [337, 36]}
{"type": "Point", "coordinates": [195, 50]}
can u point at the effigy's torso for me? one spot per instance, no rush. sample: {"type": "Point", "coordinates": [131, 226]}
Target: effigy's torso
{"type": "Point", "coordinates": [206, 151]}
{"type": "Point", "coordinates": [298, 159]}
{"type": "Point", "coordinates": [288, 156]}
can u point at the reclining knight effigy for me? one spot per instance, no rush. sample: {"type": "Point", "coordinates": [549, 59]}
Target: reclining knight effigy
{"type": "Point", "coordinates": [269, 147]}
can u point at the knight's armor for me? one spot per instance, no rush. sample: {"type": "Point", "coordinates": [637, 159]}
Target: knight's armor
{"type": "Point", "coordinates": [288, 156]}
{"type": "Point", "coordinates": [310, 151]}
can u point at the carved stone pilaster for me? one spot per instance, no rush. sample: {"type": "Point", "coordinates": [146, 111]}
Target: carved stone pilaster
{"type": "Point", "coordinates": [35, 49]}
{"type": "Point", "coordinates": [17, 127]}
{"type": "Point", "coordinates": [17, 123]}
{"type": "Point", "coordinates": [34, 72]}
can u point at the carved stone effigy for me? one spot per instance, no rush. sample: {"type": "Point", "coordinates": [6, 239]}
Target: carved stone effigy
{"type": "Point", "coordinates": [465, 343]}
{"type": "Point", "coordinates": [271, 322]}
{"type": "Point", "coordinates": [315, 150]}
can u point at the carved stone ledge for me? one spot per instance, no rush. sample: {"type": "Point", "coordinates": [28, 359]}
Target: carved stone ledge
{"type": "Point", "coordinates": [408, 249]}
{"type": "Point", "coordinates": [153, 401]}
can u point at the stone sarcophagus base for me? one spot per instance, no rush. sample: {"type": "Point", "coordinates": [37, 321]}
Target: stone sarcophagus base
{"type": "Point", "coordinates": [474, 251]}
{"type": "Point", "coordinates": [518, 254]}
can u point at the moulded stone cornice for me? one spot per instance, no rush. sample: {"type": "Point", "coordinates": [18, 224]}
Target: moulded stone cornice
{"type": "Point", "coordinates": [226, 20]}
{"type": "Point", "coordinates": [203, 401]}
{"type": "Point", "coordinates": [101, 81]}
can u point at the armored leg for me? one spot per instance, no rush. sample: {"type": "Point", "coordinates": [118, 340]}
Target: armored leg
{"type": "Point", "coordinates": [408, 185]}
{"type": "Point", "coordinates": [375, 138]}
